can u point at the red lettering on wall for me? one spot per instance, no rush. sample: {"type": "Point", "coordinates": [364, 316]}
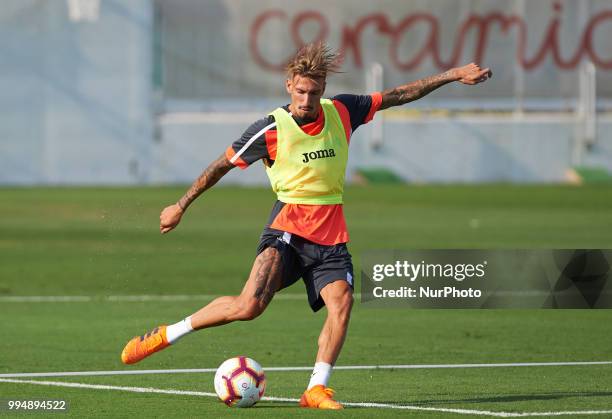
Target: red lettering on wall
{"type": "Point", "coordinates": [299, 20]}
{"type": "Point", "coordinates": [351, 38]}
{"type": "Point", "coordinates": [430, 46]}
{"type": "Point", "coordinates": [295, 26]}
{"type": "Point", "coordinates": [254, 46]}
{"type": "Point", "coordinates": [587, 40]}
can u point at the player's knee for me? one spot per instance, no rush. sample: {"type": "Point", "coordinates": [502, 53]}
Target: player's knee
{"type": "Point", "coordinates": [341, 305]}
{"type": "Point", "coordinates": [249, 310]}
{"type": "Point", "coordinates": [346, 303]}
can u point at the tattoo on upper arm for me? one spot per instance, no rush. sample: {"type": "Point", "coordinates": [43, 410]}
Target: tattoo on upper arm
{"type": "Point", "coordinates": [415, 90]}
{"type": "Point", "coordinates": [215, 171]}
{"type": "Point", "coordinates": [267, 275]}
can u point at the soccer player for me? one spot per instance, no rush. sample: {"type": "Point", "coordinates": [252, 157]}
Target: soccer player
{"type": "Point", "coordinates": [304, 146]}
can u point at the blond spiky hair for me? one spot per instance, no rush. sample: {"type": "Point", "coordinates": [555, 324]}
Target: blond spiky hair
{"type": "Point", "coordinates": [314, 61]}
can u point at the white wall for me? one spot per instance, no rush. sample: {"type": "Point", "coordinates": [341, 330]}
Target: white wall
{"type": "Point", "coordinates": [459, 149]}
{"type": "Point", "coordinates": [75, 102]}
{"type": "Point", "coordinates": [77, 98]}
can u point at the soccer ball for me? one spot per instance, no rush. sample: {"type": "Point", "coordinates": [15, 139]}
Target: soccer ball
{"type": "Point", "coordinates": [240, 382]}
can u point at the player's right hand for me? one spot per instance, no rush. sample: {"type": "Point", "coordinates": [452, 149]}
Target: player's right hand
{"type": "Point", "coordinates": [170, 217]}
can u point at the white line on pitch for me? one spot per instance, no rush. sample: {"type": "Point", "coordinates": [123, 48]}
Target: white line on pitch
{"type": "Point", "coordinates": [122, 298]}
{"type": "Point", "coordinates": [337, 367]}
{"type": "Point", "coordinates": [284, 399]}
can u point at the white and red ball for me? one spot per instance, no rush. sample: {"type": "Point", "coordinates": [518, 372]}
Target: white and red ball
{"type": "Point", "coordinates": [240, 382]}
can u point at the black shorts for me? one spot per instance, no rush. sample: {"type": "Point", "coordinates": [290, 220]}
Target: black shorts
{"type": "Point", "coordinates": [318, 265]}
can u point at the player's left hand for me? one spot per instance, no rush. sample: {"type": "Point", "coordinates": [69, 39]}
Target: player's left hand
{"type": "Point", "coordinates": [473, 74]}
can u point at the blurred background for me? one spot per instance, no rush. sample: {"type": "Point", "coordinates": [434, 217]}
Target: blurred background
{"type": "Point", "coordinates": [109, 92]}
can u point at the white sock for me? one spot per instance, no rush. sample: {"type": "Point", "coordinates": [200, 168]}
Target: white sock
{"type": "Point", "coordinates": [320, 374]}
{"type": "Point", "coordinates": [177, 330]}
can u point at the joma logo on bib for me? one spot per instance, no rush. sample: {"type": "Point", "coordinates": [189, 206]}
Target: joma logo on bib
{"type": "Point", "coordinates": [319, 154]}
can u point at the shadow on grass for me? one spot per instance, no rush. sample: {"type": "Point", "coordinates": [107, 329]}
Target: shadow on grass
{"type": "Point", "coordinates": [271, 405]}
{"type": "Point", "coordinates": [422, 403]}
{"type": "Point", "coordinates": [506, 398]}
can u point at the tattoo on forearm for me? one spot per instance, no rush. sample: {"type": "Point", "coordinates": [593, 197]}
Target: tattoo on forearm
{"type": "Point", "coordinates": [415, 90]}
{"type": "Point", "coordinates": [267, 276]}
{"type": "Point", "coordinates": [215, 171]}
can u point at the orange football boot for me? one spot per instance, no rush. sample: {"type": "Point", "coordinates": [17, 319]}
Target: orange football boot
{"type": "Point", "coordinates": [319, 397]}
{"type": "Point", "coordinates": [141, 347]}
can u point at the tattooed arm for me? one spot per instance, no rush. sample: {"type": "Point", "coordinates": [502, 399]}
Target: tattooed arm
{"type": "Point", "coordinates": [171, 215]}
{"type": "Point", "coordinates": [469, 74]}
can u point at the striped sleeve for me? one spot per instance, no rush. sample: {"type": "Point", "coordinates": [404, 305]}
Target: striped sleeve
{"type": "Point", "coordinates": [361, 108]}
{"type": "Point", "coordinates": [251, 146]}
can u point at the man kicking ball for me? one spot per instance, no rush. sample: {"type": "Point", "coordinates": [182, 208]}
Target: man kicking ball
{"type": "Point", "coordinates": [304, 147]}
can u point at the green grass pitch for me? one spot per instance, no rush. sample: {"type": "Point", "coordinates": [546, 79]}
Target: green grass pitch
{"type": "Point", "coordinates": [100, 242]}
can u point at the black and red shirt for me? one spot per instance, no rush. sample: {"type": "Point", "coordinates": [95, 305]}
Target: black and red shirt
{"type": "Point", "coordinates": [322, 224]}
